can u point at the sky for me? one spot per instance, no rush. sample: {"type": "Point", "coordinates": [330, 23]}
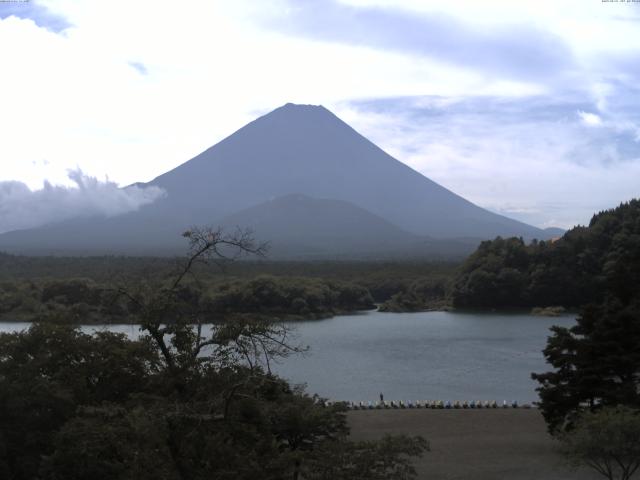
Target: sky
{"type": "Point", "coordinates": [529, 108]}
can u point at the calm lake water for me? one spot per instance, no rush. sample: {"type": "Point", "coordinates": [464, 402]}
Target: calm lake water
{"type": "Point", "coordinates": [415, 356]}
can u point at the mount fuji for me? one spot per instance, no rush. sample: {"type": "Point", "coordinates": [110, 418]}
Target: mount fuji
{"type": "Point", "coordinates": [306, 182]}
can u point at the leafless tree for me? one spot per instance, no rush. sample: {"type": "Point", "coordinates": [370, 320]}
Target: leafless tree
{"type": "Point", "coordinates": [172, 316]}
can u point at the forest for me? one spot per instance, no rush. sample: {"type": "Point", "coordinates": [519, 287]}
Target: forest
{"type": "Point", "coordinates": [73, 289]}
{"type": "Point", "coordinates": [579, 268]}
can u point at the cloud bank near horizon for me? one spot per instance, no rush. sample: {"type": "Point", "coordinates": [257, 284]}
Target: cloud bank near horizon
{"type": "Point", "coordinates": [21, 207]}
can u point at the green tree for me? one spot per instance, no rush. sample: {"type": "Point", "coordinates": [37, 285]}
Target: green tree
{"type": "Point", "coordinates": [387, 459]}
{"type": "Point", "coordinates": [608, 441]}
{"type": "Point", "coordinates": [48, 371]}
{"type": "Point", "coordinates": [582, 267]}
{"type": "Point", "coordinates": [596, 362]}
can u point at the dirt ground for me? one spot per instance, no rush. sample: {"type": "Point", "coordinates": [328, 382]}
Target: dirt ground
{"type": "Point", "coordinates": [473, 444]}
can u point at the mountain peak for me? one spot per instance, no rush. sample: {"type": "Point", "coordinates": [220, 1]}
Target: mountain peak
{"type": "Point", "coordinates": [301, 106]}
{"type": "Point", "coordinates": [298, 110]}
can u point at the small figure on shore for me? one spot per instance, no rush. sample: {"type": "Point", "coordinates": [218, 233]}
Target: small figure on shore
{"type": "Point", "coordinates": [381, 398]}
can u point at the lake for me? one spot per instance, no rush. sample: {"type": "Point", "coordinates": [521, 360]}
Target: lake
{"type": "Point", "coordinates": [415, 356]}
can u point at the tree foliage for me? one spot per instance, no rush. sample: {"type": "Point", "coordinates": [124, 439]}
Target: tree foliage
{"type": "Point", "coordinates": [73, 289]}
{"type": "Point", "coordinates": [288, 297]}
{"type": "Point", "coordinates": [597, 362]}
{"type": "Point", "coordinates": [428, 293]}
{"type": "Point", "coordinates": [48, 371]}
{"type": "Point", "coordinates": [579, 268]}
{"type": "Point", "coordinates": [607, 441]}
{"type": "Point", "coordinates": [388, 459]}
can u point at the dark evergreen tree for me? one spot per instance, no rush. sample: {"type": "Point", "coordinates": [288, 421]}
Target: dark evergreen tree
{"type": "Point", "coordinates": [596, 363]}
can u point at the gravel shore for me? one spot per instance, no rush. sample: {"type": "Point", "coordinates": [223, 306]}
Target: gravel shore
{"type": "Point", "coordinates": [489, 444]}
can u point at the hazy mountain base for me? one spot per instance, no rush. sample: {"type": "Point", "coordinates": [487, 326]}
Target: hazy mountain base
{"type": "Point", "coordinates": [359, 242]}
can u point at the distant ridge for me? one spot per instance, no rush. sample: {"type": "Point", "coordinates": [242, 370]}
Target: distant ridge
{"type": "Point", "coordinates": [299, 226]}
{"type": "Point", "coordinates": [294, 150]}
{"type": "Point", "coordinates": [553, 232]}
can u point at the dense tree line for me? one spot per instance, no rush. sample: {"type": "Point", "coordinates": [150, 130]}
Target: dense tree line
{"type": "Point", "coordinates": [577, 269]}
{"type": "Point", "coordinates": [382, 278]}
{"type": "Point", "coordinates": [278, 296]}
{"type": "Point", "coordinates": [83, 300]}
{"type": "Point", "coordinates": [428, 293]}
{"type": "Point", "coordinates": [98, 268]}
{"type": "Point", "coordinates": [81, 288]}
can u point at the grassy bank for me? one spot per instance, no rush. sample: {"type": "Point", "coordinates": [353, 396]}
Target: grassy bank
{"type": "Point", "coordinates": [510, 444]}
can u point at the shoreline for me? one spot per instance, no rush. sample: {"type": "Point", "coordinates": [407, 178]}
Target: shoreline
{"type": "Point", "coordinates": [295, 318]}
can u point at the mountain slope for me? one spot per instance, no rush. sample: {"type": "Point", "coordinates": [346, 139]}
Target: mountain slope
{"type": "Point", "coordinates": [297, 225]}
{"type": "Point", "coordinates": [303, 216]}
{"type": "Point", "coordinates": [307, 149]}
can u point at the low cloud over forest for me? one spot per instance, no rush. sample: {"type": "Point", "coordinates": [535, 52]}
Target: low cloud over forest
{"type": "Point", "coordinates": [21, 207]}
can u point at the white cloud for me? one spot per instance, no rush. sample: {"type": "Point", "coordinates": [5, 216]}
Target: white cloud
{"type": "Point", "coordinates": [21, 207]}
{"type": "Point", "coordinates": [590, 119]}
{"type": "Point", "coordinates": [587, 25]}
